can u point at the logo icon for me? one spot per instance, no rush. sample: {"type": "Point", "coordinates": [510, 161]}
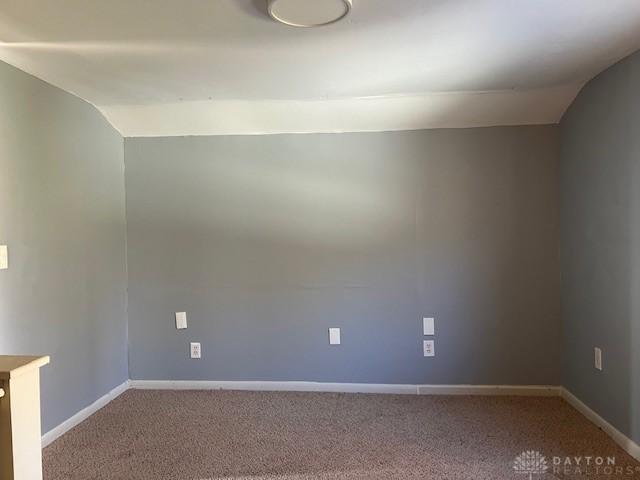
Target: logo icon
{"type": "Point", "coordinates": [530, 463]}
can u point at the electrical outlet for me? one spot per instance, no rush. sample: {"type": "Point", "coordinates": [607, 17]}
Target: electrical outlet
{"type": "Point", "coordinates": [4, 257]}
{"type": "Point", "coordinates": [598, 358]}
{"type": "Point", "coordinates": [429, 348]}
{"type": "Point", "coordinates": [196, 351]}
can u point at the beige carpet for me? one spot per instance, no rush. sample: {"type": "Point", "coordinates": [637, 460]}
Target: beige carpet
{"type": "Point", "coordinates": [200, 435]}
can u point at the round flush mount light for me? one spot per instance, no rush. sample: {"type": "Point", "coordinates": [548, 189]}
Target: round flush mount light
{"type": "Point", "coordinates": [308, 13]}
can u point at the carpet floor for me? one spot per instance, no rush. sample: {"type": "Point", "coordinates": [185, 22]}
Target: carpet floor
{"type": "Point", "coordinates": [202, 435]}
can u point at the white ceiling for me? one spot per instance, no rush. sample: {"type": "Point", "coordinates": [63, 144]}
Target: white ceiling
{"type": "Point", "coordinates": [182, 67]}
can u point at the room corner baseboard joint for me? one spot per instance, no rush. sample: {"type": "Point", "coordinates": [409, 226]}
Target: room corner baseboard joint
{"type": "Point", "coordinates": [627, 444]}
{"type": "Point", "coordinates": [83, 414]}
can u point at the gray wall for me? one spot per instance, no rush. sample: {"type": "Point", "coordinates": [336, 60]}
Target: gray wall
{"type": "Point", "coordinates": [266, 241]}
{"type": "Point", "coordinates": [62, 215]}
{"type": "Point", "coordinates": [600, 184]}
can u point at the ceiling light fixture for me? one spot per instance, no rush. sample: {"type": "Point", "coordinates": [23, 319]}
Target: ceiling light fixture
{"type": "Point", "coordinates": [308, 13]}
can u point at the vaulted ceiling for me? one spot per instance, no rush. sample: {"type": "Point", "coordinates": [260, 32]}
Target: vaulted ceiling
{"type": "Point", "coordinates": [189, 67]}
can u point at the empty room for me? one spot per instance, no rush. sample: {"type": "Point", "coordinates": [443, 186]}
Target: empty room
{"type": "Point", "coordinates": [319, 239]}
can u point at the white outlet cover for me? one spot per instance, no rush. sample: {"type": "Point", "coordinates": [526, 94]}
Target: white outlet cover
{"type": "Point", "coordinates": [181, 320]}
{"type": "Point", "coordinates": [429, 348]}
{"type": "Point", "coordinates": [598, 358]}
{"type": "Point", "coordinates": [4, 257]}
{"type": "Point", "coordinates": [196, 350]}
{"type": "Point", "coordinates": [428, 326]}
{"type": "Point", "coordinates": [334, 336]}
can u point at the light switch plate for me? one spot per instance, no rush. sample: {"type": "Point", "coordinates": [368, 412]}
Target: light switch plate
{"type": "Point", "coordinates": [4, 257]}
{"type": "Point", "coordinates": [598, 358]}
{"type": "Point", "coordinates": [334, 336]}
{"type": "Point", "coordinates": [181, 320]}
{"type": "Point", "coordinates": [428, 326]}
{"type": "Point", "coordinates": [196, 351]}
{"type": "Point", "coordinates": [429, 348]}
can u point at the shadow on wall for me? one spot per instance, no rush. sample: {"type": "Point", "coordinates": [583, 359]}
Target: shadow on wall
{"type": "Point", "coordinates": [266, 241]}
{"type": "Point", "coordinates": [634, 338]}
{"type": "Point", "coordinates": [600, 181]}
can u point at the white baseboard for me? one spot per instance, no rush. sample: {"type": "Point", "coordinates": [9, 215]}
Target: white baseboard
{"type": "Point", "coordinates": [274, 386]}
{"type": "Point", "coordinates": [631, 447]}
{"type": "Point", "coordinates": [83, 414]}
{"type": "Point", "coordinates": [404, 389]}
{"type": "Point", "coordinates": [493, 390]}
